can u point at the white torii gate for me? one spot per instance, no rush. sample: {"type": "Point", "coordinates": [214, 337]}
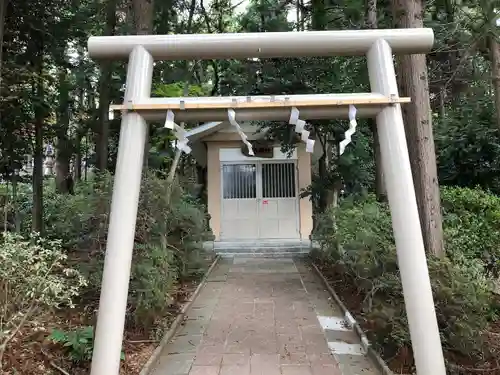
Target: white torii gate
{"type": "Point", "coordinates": [383, 103]}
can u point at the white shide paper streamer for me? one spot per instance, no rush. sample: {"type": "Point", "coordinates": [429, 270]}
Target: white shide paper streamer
{"type": "Point", "coordinates": [232, 120]}
{"type": "Point", "coordinates": [349, 132]}
{"type": "Point", "coordinates": [179, 132]}
{"type": "Point", "coordinates": [169, 121]}
{"type": "Point", "coordinates": [299, 128]}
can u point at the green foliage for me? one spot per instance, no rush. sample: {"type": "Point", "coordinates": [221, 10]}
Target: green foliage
{"type": "Point", "coordinates": [154, 277]}
{"type": "Point", "coordinates": [357, 240]}
{"type": "Point", "coordinates": [169, 234]}
{"type": "Point", "coordinates": [471, 223]}
{"type": "Point", "coordinates": [176, 89]}
{"type": "Point", "coordinates": [78, 343]}
{"type": "Point", "coordinates": [169, 238]}
{"type": "Point", "coordinates": [467, 143]}
{"type": "Point", "coordinates": [33, 276]}
{"type": "Point", "coordinates": [78, 220]}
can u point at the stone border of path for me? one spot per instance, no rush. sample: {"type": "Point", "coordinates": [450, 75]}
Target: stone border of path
{"type": "Point", "coordinates": [146, 369]}
{"type": "Point", "coordinates": [382, 366]}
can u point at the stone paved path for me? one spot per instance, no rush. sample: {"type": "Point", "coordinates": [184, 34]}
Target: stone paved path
{"type": "Point", "coordinates": [261, 316]}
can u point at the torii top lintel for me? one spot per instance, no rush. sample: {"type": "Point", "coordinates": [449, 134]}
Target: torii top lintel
{"type": "Point", "coordinates": [263, 45]}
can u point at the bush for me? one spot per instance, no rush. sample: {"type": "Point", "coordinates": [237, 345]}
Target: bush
{"type": "Point", "coordinates": [357, 239]}
{"type": "Point", "coordinates": [78, 343]}
{"type": "Point", "coordinates": [168, 239]}
{"type": "Point", "coordinates": [32, 277]}
{"type": "Point", "coordinates": [471, 226]}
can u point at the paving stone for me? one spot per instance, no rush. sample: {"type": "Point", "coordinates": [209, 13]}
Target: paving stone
{"type": "Point", "coordinates": [241, 348]}
{"type": "Point", "coordinates": [296, 370]}
{"type": "Point", "coordinates": [299, 358]}
{"type": "Point", "coordinates": [204, 370]}
{"type": "Point", "coordinates": [184, 344]}
{"type": "Point", "coordinates": [290, 327]}
{"type": "Point", "coordinates": [313, 338]}
{"type": "Point", "coordinates": [259, 360]}
{"type": "Point", "coordinates": [173, 364]}
{"type": "Point", "coordinates": [256, 318]}
{"type": "Point", "coordinates": [316, 347]}
{"type": "Point", "coordinates": [314, 329]}
{"type": "Point", "coordinates": [290, 343]}
{"type": "Point", "coordinates": [322, 359]}
{"type": "Point", "coordinates": [235, 370]}
{"type": "Point", "coordinates": [266, 370]}
{"type": "Point", "coordinates": [208, 348]}
{"type": "Point", "coordinates": [194, 327]}
{"type": "Point", "coordinates": [208, 359]}
{"type": "Point", "coordinates": [236, 359]}
{"type": "Point", "coordinates": [345, 336]}
{"type": "Point", "coordinates": [325, 370]}
{"type": "Point", "coordinates": [356, 365]}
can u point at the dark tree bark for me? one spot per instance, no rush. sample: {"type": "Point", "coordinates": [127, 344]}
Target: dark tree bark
{"type": "Point", "coordinates": [495, 73]}
{"type": "Point", "coordinates": [380, 191]}
{"type": "Point", "coordinates": [102, 130]}
{"type": "Point", "coordinates": [37, 211]}
{"type": "Point", "coordinates": [64, 179]}
{"type": "Point", "coordinates": [412, 72]}
{"type": "Point", "coordinates": [143, 23]}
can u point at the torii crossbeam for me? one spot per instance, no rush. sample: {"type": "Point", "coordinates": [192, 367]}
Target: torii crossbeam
{"type": "Point", "coordinates": [383, 103]}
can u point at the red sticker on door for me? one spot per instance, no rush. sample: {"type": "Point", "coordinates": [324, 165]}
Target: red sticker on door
{"type": "Point", "coordinates": [265, 202]}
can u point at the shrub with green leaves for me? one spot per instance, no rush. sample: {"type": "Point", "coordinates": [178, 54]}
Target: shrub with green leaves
{"type": "Point", "coordinates": [357, 240]}
{"type": "Point", "coordinates": [154, 276]}
{"type": "Point", "coordinates": [78, 343]}
{"type": "Point", "coordinates": [169, 233]}
{"type": "Point", "coordinates": [33, 276]}
{"type": "Point", "coordinates": [471, 226]}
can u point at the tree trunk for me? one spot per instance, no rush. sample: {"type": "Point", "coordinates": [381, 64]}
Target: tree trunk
{"type": "Point", "coordinates": [297, 14]}
{"type": "Point", "coordinates": [37, 212]}
{"type": "Point", "coordinates": [412, 72]}
{"type": "Point", "coordinates": [143, 23]}
{"type": "Point", "coordinates": [79, 134]}
{"type": "Point", "coordinates": [89, 134]}
{"type": "Point", "coordinates": [442, 102]}
{"type": "Point", "coordinates": [17, 215]}
{"type": "Point", "coordinates": [3, 11]}
{"type": "Point", "coordinates": [318, 15]}
{"type": "Point", "coordinates": [143, 16]}
{"type": "Point", "coordinates": [78, 158]}
{"type": "Point", "coordinates": [64, 180]}
{"type": "Point", "coordinates": [495, 73]}
{"type": "Point", "coordinates": [102, 131]}
{"type": "Point", "coordinates": [323, 194]}
{"type": "Point", "coordinates": [201, 179]}
{"type": "Point", "coordinates": [86, 166]}
{"type": "Point", "coordinates": [380, 191]}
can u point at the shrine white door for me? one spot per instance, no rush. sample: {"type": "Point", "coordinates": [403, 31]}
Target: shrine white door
{"type": "Point", "coordinates": [259, 200]}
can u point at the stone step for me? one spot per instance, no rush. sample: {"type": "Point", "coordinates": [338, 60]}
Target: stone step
{"type": "Point", "coordinates": [263, 255]}
{"type": "Point", "coordinates": [261, 249]}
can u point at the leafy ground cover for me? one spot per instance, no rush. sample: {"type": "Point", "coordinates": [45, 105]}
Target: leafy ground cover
{"type": "Point", "coordinates": [358, 257]}
{"type": "Point", "coordinates": [50, 285]}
